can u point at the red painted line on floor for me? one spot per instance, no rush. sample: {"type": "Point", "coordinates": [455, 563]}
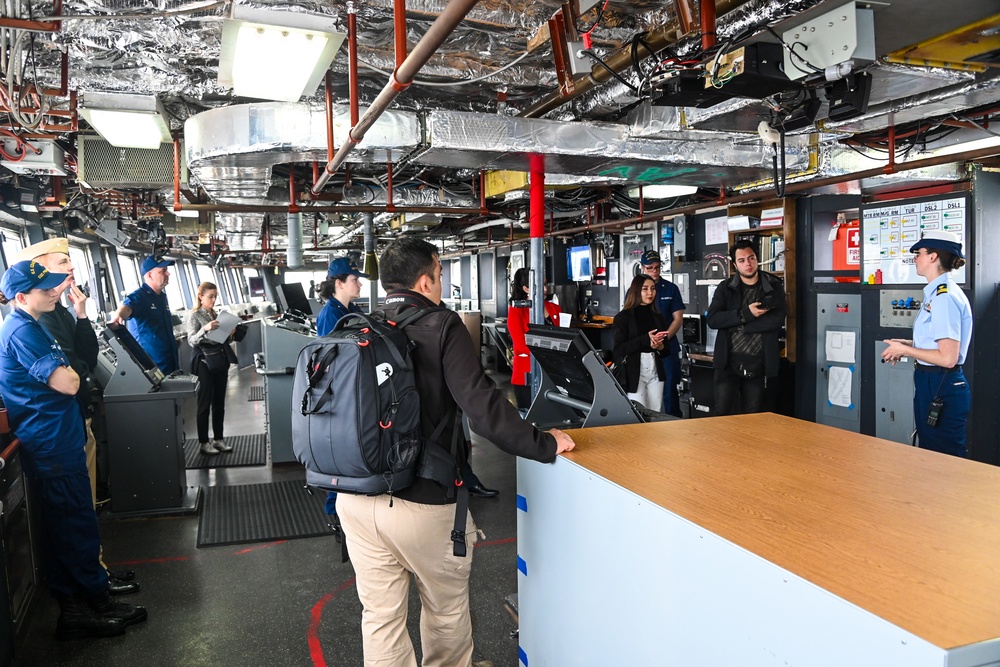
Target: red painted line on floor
{"type": "Point", "coordinates": [316, 615]}
{"type": "Point", "coordinates": [262, 546]}
{"type": "Point", "coordinates": [493, 543]}
{"type": "Point", "coordinates": [150, 560]}
{"type": "Point", "coordinates": [315, 649]}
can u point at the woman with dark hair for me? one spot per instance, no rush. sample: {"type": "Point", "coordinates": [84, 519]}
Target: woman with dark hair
{"type": "Point", "coordinates": [210, 362]}
{"type": "Point", "coordinates": [639, 332]}
{"type": "Point", "coordinates": [941, 333]}
{"type": "Point", "coordinates": [518, 317]}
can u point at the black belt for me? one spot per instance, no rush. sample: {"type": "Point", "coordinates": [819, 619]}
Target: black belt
{"type": "Point", "coordinates": [938, 369]}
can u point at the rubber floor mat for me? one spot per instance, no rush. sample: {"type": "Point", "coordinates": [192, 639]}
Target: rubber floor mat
{"type": "Point", "coordinates": [261, 513]}
{"type": "Point", "coordinates": [248, 450]}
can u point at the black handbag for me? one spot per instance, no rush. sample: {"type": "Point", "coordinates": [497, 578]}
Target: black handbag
{"type": "Point", "coordinates": [216, 358]}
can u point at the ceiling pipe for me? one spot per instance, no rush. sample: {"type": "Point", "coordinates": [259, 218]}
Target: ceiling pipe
{"type": "Point", "coordinates": [400, 80]}
{"type": "Point", "coordinates": [352, 69]}
{"type": "Point", "coordinates": [707, 24]}
{"type": "Point", "coordinates": [399, 30]}
{"type": "Point", "coordinates": [618, 61]}
{"type": "Point", "coordinates": [792, 188]}
{"type": "Point", "coordinates": [283, 208]}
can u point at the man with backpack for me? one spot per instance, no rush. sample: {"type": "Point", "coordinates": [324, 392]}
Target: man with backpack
{"type": "Point", "coordinates": [390, 536]}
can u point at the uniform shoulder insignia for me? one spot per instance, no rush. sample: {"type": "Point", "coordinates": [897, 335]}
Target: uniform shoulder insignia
{"type": "Point", "coordinates": [941, 289]}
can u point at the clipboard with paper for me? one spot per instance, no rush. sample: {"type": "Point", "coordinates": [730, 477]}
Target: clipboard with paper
{"type": "Point", "coordinates": [227, 322]}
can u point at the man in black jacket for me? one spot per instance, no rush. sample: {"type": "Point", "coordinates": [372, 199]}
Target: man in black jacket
{"type": "Point", "coordinates": [749, 312]}
{"type": "Point", "coordinates": [390, 538]}
{"type": "Point", "coordinates": [75, 334]}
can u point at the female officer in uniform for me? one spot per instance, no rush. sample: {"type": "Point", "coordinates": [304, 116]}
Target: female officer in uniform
{"type": "Point", "coordinates": [39, 391]}
{"type": "Point", "coordinates": [941, 334]}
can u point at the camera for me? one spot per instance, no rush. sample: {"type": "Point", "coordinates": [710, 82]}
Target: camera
{"type": "Point", "coordinates": [767, 301]}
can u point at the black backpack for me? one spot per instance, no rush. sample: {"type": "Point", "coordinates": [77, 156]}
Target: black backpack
{"type": "Point", "coordinates": [356, 413]}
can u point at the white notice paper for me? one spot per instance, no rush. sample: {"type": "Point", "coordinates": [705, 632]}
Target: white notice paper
{"type": "Point", "coordinates": [716, 230]}
{"type": "Point", "coordinates": [227, 322]}
{"type": "Point", "coordinates": [839, 388]}
{"type": "Point", "coordinates": [840, 347]}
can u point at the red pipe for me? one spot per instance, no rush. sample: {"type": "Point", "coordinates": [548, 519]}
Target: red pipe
{"type": "Point", "coordinates": [399, 30]}
{"type": "Point", "coordinates": [293, 206]}
{"type": "Point", "coordinates": [30, 26]}
{"type": "Point", "coordinates": [707, 24]}
{"type": "Point", "coordinates": [329, 118]}
{"type": "Point", "coordinates": [453, 14]}
{"type": "Point", "coordinates": [315, 171]}
{"type": "Point", "coordinates": [892, 149]}
{"type": "Point", "coordinates": [8, 452]}
{"type": "Point", "coordinates": [536, 196]}
{"type": "Point", "coordinates": [177, 173]}
{"type": "Point", "coordinates": [352, 63]}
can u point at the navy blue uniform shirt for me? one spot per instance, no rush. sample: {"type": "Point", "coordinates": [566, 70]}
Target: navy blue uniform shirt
{"type": "Point", "coordinates": [331, 314]}
{"type": "Point", "coordinates": [48, 423]}
{"type": "Point", "coordinates": [153, 327]}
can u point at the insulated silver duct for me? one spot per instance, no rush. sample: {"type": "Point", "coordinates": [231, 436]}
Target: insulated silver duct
{"type": "Point", "coordinates": [294, 252]}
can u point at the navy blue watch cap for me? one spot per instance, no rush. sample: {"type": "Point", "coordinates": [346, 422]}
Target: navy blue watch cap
{"type": "Point", "coordinates": [946, 241]}
{"type": "Point", "coordinates": [25, 276]}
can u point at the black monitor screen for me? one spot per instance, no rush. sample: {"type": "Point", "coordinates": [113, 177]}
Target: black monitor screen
{"type": "Point", "coordinates": [560, 352]}
{"type": "Point", "coordinates": [256, 286]}
{"type": "Point", "coordinates": [291, 296]}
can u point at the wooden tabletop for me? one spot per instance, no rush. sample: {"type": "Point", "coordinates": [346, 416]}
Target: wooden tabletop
{"type": "Point", "coordinates": [910, 535]}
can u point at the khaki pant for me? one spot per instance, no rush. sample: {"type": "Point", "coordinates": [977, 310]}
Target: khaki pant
{"type": "Point", "coordinates": [386, 545]}
{"type": "Point", "coordinates": [91, 451]}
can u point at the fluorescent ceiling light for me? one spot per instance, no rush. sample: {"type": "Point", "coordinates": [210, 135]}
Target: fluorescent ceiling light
{"type": "Point", "coordinates": [273, 55]}
{"type": "Point", "coordinates": [126, 121]}
{"type": "Point", "coordinates": [987, 142]}
{"type": "Point", "coordinates": [663, 191]}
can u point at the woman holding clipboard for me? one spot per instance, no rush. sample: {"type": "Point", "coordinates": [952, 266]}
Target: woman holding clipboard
{"type": "Point", "coordinates": [210, 362]}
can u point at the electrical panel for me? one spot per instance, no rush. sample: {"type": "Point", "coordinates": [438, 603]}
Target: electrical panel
{"type": "Point", "coordinates": [898, 307]}
{"type": "Point", "coordinates": [50, 160]}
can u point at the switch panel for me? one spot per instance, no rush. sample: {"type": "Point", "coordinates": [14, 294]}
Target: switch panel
{"type": "Point", "coordinates": [898, 307]}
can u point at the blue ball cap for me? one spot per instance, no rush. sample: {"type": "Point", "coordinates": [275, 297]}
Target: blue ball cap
{"type": "Point", "coordinates": [151, 263]}
{"type": "Point", "coordinates": [26, 276]}
{"type": "Point", "coordinates": [649, 257]}
{"type": "Point", "coordinates": [946, 241]}
{"type": "Point", "coordinates": [343, 266]}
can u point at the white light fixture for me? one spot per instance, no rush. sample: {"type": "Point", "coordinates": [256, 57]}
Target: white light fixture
{"type": "Point", "coordinates": [274, 55]}
{"type": "Point", "coordinates": [125, 120]}
{"type": "Point", "coordinates": [663, 191]}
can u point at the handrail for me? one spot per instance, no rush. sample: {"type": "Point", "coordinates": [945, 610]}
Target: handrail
{"type": "Point", "coordinates": [9, 452]}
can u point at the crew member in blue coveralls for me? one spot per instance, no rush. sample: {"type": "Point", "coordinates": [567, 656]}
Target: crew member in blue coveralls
{"type": "Point", "coordinates": [148, 315]}
{"type": "Point", "coordinates": [668, 300]}
{"type": "Point", "coordinates": [941, 334]}
{"type": "Point", "coordinates": [39, 388]}
{"type": "Point", "coordinates": [340, 289]}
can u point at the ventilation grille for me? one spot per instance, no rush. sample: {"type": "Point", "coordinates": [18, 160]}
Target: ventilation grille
{"type": "Point", "coordinates": [102, 165]}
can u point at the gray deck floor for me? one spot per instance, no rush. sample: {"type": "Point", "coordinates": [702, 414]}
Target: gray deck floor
{"type": "Point", "coordinates": [282, 603]}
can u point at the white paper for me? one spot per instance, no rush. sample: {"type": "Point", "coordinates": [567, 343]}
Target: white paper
{"type": "Point", "coordinates": [612, 274]}
{"type": "Point", "coordinates": [839, 387]}
{"type": "Point", "coordinates": [227, 322]}
{"type": "Point", "coordinates": [840, 347]}
{"type": "Point", "coordinates": [716, 230]}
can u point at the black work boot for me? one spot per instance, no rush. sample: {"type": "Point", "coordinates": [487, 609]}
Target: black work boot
{"type": "Point", "coordinates": [77, 620]}
{"type": "Point", "coordinates": [106, 606]}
